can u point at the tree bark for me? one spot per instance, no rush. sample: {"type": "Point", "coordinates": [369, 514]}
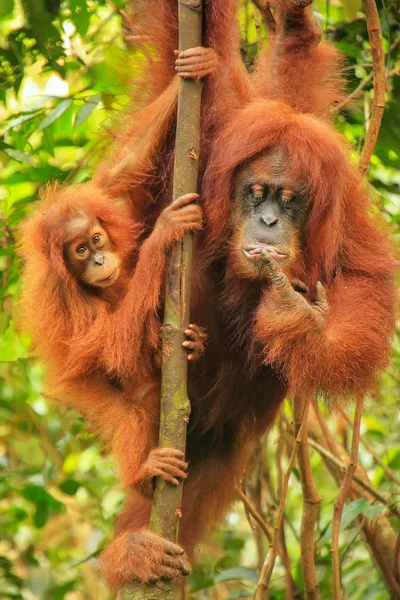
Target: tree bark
{"type": "Point", "coordinates": [175, 404]}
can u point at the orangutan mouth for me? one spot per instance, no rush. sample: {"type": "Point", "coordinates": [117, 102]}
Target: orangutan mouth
{"type": "Point", "coordinates": [276, 253]}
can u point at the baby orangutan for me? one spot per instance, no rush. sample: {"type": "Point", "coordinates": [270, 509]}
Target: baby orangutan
{"type": "Point", "coordinates": [82, 300]}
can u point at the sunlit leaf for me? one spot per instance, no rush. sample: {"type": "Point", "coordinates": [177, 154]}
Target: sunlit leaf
{"type": "Point", "coordinates": [240, 594]}
{"type": "Point", "coordinates": [55, 113]}
{"type": "Point", "coordinates": [87, 109]}
{"type": "Point", "coordinates": [237, 573]}
{"type": "Point", "coordinates": [20, 156]}
{"type": "Point", "coordinates": [351, 8]}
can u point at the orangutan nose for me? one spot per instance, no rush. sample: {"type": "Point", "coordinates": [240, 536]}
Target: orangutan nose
{"type": "Point", "coordinates": [269, 221]}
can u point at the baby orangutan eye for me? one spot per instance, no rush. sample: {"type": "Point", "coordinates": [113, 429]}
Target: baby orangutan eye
{"type": "Point", "coordinates": [81, 250]}
{"type": "Point", "coordinates": [96, 238]}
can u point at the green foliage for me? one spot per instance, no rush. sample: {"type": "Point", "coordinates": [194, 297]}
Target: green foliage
{"type": "Point", "coordinates": [64, 69]}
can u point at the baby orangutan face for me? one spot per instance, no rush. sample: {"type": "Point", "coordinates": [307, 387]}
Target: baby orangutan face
{"type": "Point", "coordinates": [89, 254]}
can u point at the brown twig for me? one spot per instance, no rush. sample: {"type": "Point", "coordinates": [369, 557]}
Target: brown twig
{"type": "Point", "coordinates": [311, 501]}
{"type": "Point", "coordinates": [269, 562]}
{"type": "Point", "coordinates": [268, 18]}
{"type": "Point", "coordinates": [396, 562]}
{"type": "Point", "coordinates": [359, 480]}
{"type": "Point", "coordinates": [378, 63]}
{"type": "Point", "coordinates": [395, 44]}
{"type": "Point", "coordinates": [341, 499]}
{"type": "Point", "coordinates": [267, 529]}
{"type": "Point", "coordinates": [356, 93]}
{"type": "Point", "coordinates": [253, 487]}
{"type": "Point", "coordinates": [258, 31]}
{"type": "Point", "coordinates": [370, 449]}
{"type": "Point", "coordinates": [269, 532]}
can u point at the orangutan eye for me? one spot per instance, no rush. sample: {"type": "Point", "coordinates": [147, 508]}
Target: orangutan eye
{"type": "Point", "coordinates": [81, 250]}
{"type": "Point", "coordinates": [257, 190]}
{"type": "Point", "coordinates": [96, 238]}
{"type": "Point", "coordinates": [286, 194]}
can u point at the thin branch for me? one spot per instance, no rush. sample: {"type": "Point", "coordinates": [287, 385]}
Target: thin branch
{"type": "Point", "coordinates": [361, 482]}
{"type": "Point", "coordinates": [258, 31]}
{"type": "Point", "coordinates": [311, 501]}
{"type": "Point", "coordinates": [396, 562]}
{"type": "Point", "coordinates": [267, 529]}
{"type": "Point", "coordinates": [356, 93]}
{"type": "Point", "coordinates": [370, 449]}
{"type": "Point", "coordinates": [291, 587]}
{"type": "Point", "coordinates": [269, 562]}
{"type": "Point", "coordinates": [268, 18]}
{"type": "Point", "coordinates": [341, 499]}
{"type": "Point", "coordinates": [378, 62]}
{"type": "Point", "coordinates": [395, 44]}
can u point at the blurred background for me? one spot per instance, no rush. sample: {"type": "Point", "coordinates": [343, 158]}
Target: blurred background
{"type": "Point", "coordinates": [65, 69]}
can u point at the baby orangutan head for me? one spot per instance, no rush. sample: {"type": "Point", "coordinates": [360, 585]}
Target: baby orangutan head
{"type": "Point", "coordinates": [81, 233]}
{"type": "Point", "coordinates": [88, 252]}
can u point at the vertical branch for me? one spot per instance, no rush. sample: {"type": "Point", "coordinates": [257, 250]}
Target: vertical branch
{"type": "Point", "coordinates": [268, 18]}
{"type": "Point", "coordinates": [175, 406]}
{"type": "Point", "coordinates": [269, 562]}
{"type": "Point", "coordinates": [378, 66]}
{"type": "Point", "coordinates": [311, 500]}
{"type": "Point", "coordinates": [341, 499]}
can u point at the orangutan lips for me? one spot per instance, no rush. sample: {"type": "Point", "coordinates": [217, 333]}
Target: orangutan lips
{"type": "Point", "coordinates": [258, 251]}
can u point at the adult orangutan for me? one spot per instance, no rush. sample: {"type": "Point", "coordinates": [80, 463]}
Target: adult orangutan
{"type": "Point", "coordinates": [293, 281]}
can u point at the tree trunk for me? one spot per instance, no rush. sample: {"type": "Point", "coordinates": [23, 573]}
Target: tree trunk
{"type": "Point", "coordinates": [175, 405]}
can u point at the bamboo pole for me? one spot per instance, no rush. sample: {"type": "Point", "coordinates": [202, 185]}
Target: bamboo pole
{"type": "Point", "coordinates": [175, 405]}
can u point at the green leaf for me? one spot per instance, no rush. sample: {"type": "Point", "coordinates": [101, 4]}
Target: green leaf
{"type": "Point", "coordinates": [240, 594]}
{"type": "Point", "coordinates": [28, 451]}
{"type": "Point", "coordinates": [41, 514]}
{"type": "Point", "coordinates": [86, 558]}
{"type": "Point", "coordinates": [48, 141]}
{"type": "Point", "coordinates": [12, 345]}
{"type": "Point", "coordinates": [20, 156]}
{"type": "Point", "coordinates": [70, 486]}
{"type": "Point", "coordinates": [354, 509]}
{"type": "Point", "coordinates": [86, 110]}
{"type": "Point", "coordinates": [6, 8]}
{"type": "Point", "coordinates": [55, 113]}
{"type": "Point", "coordinates": [237, 573]}
{"type": "Point", "coordinates": [372, 511]}
{"type": "Point", "coordinates": [351, 8]}
{"type": "Point", "coordinates": [16, 122]}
